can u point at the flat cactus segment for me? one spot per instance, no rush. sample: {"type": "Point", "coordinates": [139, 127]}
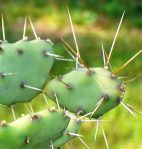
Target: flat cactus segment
{"type": "Point", "coordinates": [31, 132]}
{"type": "Point", "coordinates": [80, 91]}
{"type": "Point", "coordinates": [72, 128]}
{"type": "Point", "coordinates": [27, 63]}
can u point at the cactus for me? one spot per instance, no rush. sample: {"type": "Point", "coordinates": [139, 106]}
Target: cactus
{"type": "Point", "coordinates": [35, 130]}
{"type": "Point", "coordinates": [86, 92]}
{"type": "Point", "coordinates": [24, 69]}
{"type": "Point", "coordinates": [23, 64]}
{"type": "Point", "coordinates": [70, 132]}
{"type": "Point", "coordinates": [89, 91]}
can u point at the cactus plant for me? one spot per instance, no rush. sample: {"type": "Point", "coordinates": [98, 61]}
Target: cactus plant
{"type": "Point", "coordinates": [86, 92]}
{"type": "Point", "coordinates": [89, 91]}
{"type": "Point", "coordinates": [35, 130]}
{"type": "Point", "coordinates": [16, 61]}
{"type": "Point", "coordinates": [69, 133]}
{"type": "Point", "coordinates": [24, 69]}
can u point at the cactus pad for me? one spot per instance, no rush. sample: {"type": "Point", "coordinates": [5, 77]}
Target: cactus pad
{"type": "Point", "coordinates": [72, 128]}
{"type": "Point", "coordinates": [23, 62]}
{"type": "Point", "coordinates": [31, 132]}
{"type": "Point", "coordinates": [79, 91]}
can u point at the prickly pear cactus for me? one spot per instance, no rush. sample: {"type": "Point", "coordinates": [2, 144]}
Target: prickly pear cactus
{"type": "Point", "coordinates": [23, 64]}
{"type": "Point", "coordinates": [83, 91]}
{"type": "Point", "coordinates": [31, 131]}
{"type": "Point", "coordinates": [24, 69]}
{"type": "Point", "coordinates": [89, 92]}
{"type": "Point", "coordinates": [69, 133]}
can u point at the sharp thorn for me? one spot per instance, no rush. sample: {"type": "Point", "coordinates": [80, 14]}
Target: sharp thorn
{"type": "Point", "coordinates": [30, 105]}
{"type": "Point", "coordinates": [72, 50]}
{"type": "Point", "coordinates": [66, 84]}
{"type": "Point", "coordinates": [133, 108]}
{"type": "Point", "coordinates": [70, 53]}
{"type": "Point", "coordinates": [52, 147]}
{"type": "Point", "coordinates": [13, 112]}
{"type": "Point", "coordinates": [24, 30]}
{"type": "Point", "coordinates": [80, 62]}
{"type": "Point", "coordinates": [53, 55]}
{"type": "Point", "coordinates": [96, 131]}
{"type": "Point", "coordinates": [83, 142]}
{"type": "Point", "coordinates": [127, 108]}
{"type": "Point", "coordinates": [122, 67]}
{"type": "Point", "coordinates": [112, 46]}
{"type": "Point", "coordinates": [75, 134]}
{"type": "Point", "coordinates": [57, 57]}
{"type": "Point", "coordinates": [106, 142]}
{"type": "Point", "coordinates": [3, 29]}
{"type": "Point", "coordinates": [106, 67]}
{"type": "Point", "coordinates": [34, 88]}
{"type": "Point", "coordinates": [28, 109]}
{"type": "Point", "coordinates": [65, 59]}
{"type": "Point", "coordinates": [74, 36]}
{"type": "Point", "coordinates": [7, 74]}
{"type": "Point", "coordinates": [131, 80]}
{"type": "Point", "coordinates": [104, 57]}
{"type": "Point", "coordinates": [56, 98]}
{"type": "Point", "coordinates": [97, 107]}
{"type": "Point", "coordinates": [93, 112]}
{"type": "Point", "coordinates": [124, 77]}
{"type": "Point", "coordinates": [45, 98]}
{"type": "Point", "coordinates": [33, 29]}
{"type": "Point", "coordinates": [94, 120]}
{"type": "Point", "coordinates": [80, 118]}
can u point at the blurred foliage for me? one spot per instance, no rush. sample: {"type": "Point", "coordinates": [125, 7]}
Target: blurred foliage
{"type": "Point", "coordinates": [111, 7]}
{"type": "Point", "coordinates": [95, 21]}
{"type": "Point", "coordinates": [89, 9]}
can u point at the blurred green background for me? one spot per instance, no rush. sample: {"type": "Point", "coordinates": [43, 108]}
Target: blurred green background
{"type": "Point", "coordinates": [95, 21]}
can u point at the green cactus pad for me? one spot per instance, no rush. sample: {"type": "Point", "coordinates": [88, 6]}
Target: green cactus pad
{"type": "Point", "coordinates": [33, 132]}
{"type": "Point", "coordinates": [73, 127]}
{"type": "Point", "coordinates": [23, 62]}
{"type": "Point", "coordinates": [80, 91]}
